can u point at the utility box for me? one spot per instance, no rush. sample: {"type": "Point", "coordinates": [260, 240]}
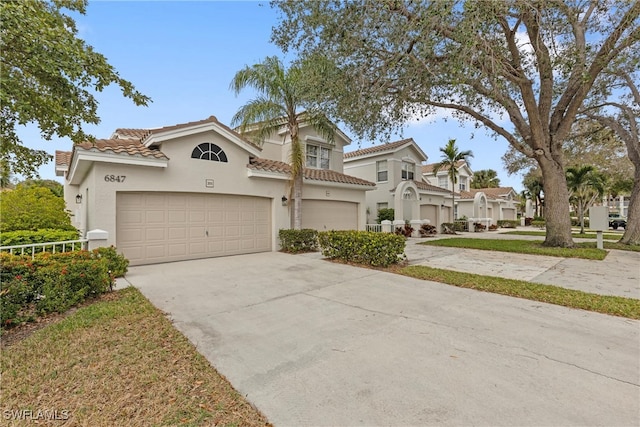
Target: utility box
{"type": "Point", "coordinates": [599, 218]}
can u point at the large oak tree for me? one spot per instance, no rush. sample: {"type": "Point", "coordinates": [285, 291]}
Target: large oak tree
{"type": "Point", "coordinates": [49, 77]}
{"type": "Point", "coordinates": [383, 63]}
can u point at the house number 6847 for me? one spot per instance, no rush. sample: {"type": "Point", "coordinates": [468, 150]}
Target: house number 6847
{"type": "Point", "coordinates": [115, 178]}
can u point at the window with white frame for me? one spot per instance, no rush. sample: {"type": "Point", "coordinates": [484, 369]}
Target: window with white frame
{"type": "Point", "coordinates": [463, 183]}
{"type": "Point", "coordinates": [408, 170]}
{"type": "Point", "coordinates": [443, 181]}
{"type": "Point", "coordinates": [318, 157]}
{"type": "Point", "coordinates": [382, 173]}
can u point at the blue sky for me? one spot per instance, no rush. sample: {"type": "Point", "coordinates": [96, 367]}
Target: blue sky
{"type": "Point", "coordinates": [184, 55]}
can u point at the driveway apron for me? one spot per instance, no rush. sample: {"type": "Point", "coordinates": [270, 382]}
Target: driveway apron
{"type": "Point", "coordinates": [315, 343]}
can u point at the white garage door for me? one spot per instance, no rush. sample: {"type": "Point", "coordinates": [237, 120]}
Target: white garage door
{"type": "Point", "coordinates": [429, 212]}
{"type": "Point", "coordinates": [325, 215]}
{"type": "Point", "coordinates": [509, 213]}
{"type": "Point", "coordinates": [161, 227]}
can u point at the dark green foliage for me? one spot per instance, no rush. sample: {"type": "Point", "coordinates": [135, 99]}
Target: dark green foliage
{"type": "Point", "coordinates": [385, 214]}
{"type": "Point", "coordinates": [508, 223]}
{"type": "Point", "coordinates": [53, 282]}
{"type": "Point", "coordinates": [452, 227]}
{"type": "Point", "coordinates": [25, 237]}
{"type": "Point", "coordinates": [538, 223]}
{"type": "Point", "coordinates": [362, 247]}
{"type": "Point", "coordinates": [575, 222]}
{"type": "Point", "coordinates": [295, 241]}
{"type": "Point", "coordinates": [33, 208]}
{"type": "Point", "coordinates": [117, 264]}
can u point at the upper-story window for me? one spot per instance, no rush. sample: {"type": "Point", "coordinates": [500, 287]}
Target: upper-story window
{"type": "Point", "coordinates": [408, 171]}
{"type": "Point", "coordinates": [382, 173]}
{"type": "Point", "coordinates": [443, 181]}
{"type": "Point", "coordinates": [209, 151]}
{"type": "Point", "coordinates": [463, 181]}
{"type": "Point", "coordinates": [318, 157]}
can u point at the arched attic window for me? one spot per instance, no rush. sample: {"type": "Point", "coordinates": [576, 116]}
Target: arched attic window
{"type": "Point", "coordinates": [209, 151]}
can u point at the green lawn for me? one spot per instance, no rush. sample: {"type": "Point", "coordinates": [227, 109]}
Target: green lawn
{"type": "Point", "coordinates": [119, 361]}
{"type": "Point", "coordinates": [616, 306]}
{"type": "Point", "coordinates": [606, 236]}
{"type": "Point", "coordinates": [521, 246]}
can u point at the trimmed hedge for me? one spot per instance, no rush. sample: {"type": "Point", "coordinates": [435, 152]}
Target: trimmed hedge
{"type": "Point", "coordinates": [508, 223]}
{"type": "Point", "coordinates": [362, 247]}
{"type": "Point", "coordinates": [538, 223]}
{"type": "Point", "coordinates": [53, 282]}
{"type": "Point", "coordinates": [296, 241]}
{"type": "Point", "coordinates": [575, 222]}
{"type": "Point", "coordinates": [385, 214]}
{"type": "Point", "coordinates": [25, 237]}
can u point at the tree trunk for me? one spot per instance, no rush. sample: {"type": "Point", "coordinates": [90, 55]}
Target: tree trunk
{"type": "Point", "coordinates": [297, 202]}
{"type": "Point", "coordinates": [581, 213]}
{"type": "Point", "coordinates": [631, 234]}
{"type": "Point", "coordinates": [556, 205]}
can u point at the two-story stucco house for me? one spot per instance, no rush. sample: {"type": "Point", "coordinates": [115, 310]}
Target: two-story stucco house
{"type": "Point", "coordinates": [396, 169]}
{"type": "Point", "coordinates": [200, 189]}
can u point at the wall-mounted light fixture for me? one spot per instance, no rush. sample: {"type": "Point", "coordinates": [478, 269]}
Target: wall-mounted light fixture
{"type": "Point", "coordinates": [284, 200]}
{"type": "Point", "coordinates": [79, 198]}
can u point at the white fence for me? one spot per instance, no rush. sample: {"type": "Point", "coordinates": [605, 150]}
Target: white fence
{"type": "Point", "coordinates": [33, 248]}
{"type": "Point", "coordinates": [376, 228]}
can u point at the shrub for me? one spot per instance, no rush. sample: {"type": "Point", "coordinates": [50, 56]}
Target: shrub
{"type": "Point", "coordinates": [508, 223]}
{"type": "Point", "coordinates": [538, 223]}
{"type": "Point", "coordinates": [385, 214]}
{"type": "Point", "coordinates": [427, 230]}
{"type": "Point", "coordinates": [575, 222]}
{"type": "Point", "coordinates": [33, 208]}
{"type": "Point", "coordinates": [362, 247]}
{"type": "Point", "coordinates": [25, 237]}
{"type": "Point", "coordinates": [493, 227]}
{"type": "Point", "coordinates": [448, 228]}
{"type": "Point", "coordinates": [405, 231]}
{"type": "Point", "coordinates": [295, 241]}
{"type": "Point", "coordinates": [49, 282]}
{"type": "Point", "coordinates": [117, 264]}
{"type": "Point", "coordinates": [527, 221]}
{"type": "Point", "coordinates": [478, 226]}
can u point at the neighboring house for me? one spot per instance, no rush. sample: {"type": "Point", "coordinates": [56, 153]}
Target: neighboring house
{"type": "Point", "coordinates": [494, 203]}
{"type": "Point", "coordinates": [199, 190]}
{"type": "Point", "coordinates": [396, 169]}
{"type": "Point", "coordinates": [442, 179]}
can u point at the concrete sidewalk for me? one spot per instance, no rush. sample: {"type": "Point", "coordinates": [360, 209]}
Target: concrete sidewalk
{"type": "Point", "coordinates": [618, 274]}
{"type": "Point", "coordinates": [315, 343]}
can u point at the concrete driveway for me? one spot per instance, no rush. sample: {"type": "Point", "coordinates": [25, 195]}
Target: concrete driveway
{"type": "Point", "coordinates": [311, 342]}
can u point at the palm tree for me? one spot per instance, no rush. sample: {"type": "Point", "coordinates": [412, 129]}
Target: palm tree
{"type": "Point", "coordinates": [280, 103]}
{"type": "Point", "coordinates": [450, 158]}
{"type": "Point", "coordinates": [485, 178]}
{"type": "Point", "coordinates": [585, 185]}
{"type": "Point", "coordinates": [535, 186]}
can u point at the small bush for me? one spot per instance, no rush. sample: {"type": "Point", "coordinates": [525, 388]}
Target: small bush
{"type": "Point", "coordinates": [428, 230]}
{"type": "Point", "coordinates": [527, 221]}
{"type": "Point", "coordinates": [575, 222]}
{"type": "Point", "coordinates": [405, 231]}
{"type": "Point", "coordinates": [117, 264]}
{"type": "Point", "coordinates": [296, 241]}
{"type": "Point", "coordinates": [478, 226]}
{"type": "Point", "coordinates": [386, 214]}
{"type": "Point", "coordinates": [448, 228]}
{"type": "Point", "coordinates": [493, 227]}
{"type": "Point", "coordinates": [362, 247]}
{"type": "Point", "coordinates": [538, 223]}
{"type": "Point", "coordinates": [508, 223]}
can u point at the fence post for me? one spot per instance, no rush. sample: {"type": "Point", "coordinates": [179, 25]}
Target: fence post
{"type": "Point", "coordinates": [386, 226]}
{"type": "Point", "coordinates": [97, 239]}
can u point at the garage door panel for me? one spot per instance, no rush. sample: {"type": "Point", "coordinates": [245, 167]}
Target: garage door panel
{"type": "Point", "coordinates": [329, 215]}
{"type": "Point", "coordinates": [160, 227]}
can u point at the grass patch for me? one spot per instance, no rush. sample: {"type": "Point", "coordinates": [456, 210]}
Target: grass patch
{"type": "Point", "coordinates": [519, 246]}
{"type": "Point", "coordinates": [613, 305]}
{"type": "Point", "coordinates": [119, 362]}
{"type": "Point", "coordinates": [605, 236]}
{"type": "Point", "coordinates": [610, 245]}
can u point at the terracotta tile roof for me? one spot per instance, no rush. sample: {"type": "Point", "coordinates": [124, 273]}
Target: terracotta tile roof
{"type": "Point", "coordinates": [130, 147]}
{"type": "Point", "coordinates": [378, 148]}
{"type": "Point", "coordinates": [312, 174]}
{"type": "Point", "coordinates": [496, 192]}
{"type": "Point", "coordinates": [210, 119]}
{"type": "Point", "coordinates": [124, 133]}
{"type": "Point", "coordinates": [429, 168]}
{"type": "Point", "coordinates": [426, 186]}
{"type": "Point", "coordinates": [63, 157]}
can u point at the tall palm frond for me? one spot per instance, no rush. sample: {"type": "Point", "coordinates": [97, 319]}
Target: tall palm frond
{"type": "Point", "coordinates": [450, 158]}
